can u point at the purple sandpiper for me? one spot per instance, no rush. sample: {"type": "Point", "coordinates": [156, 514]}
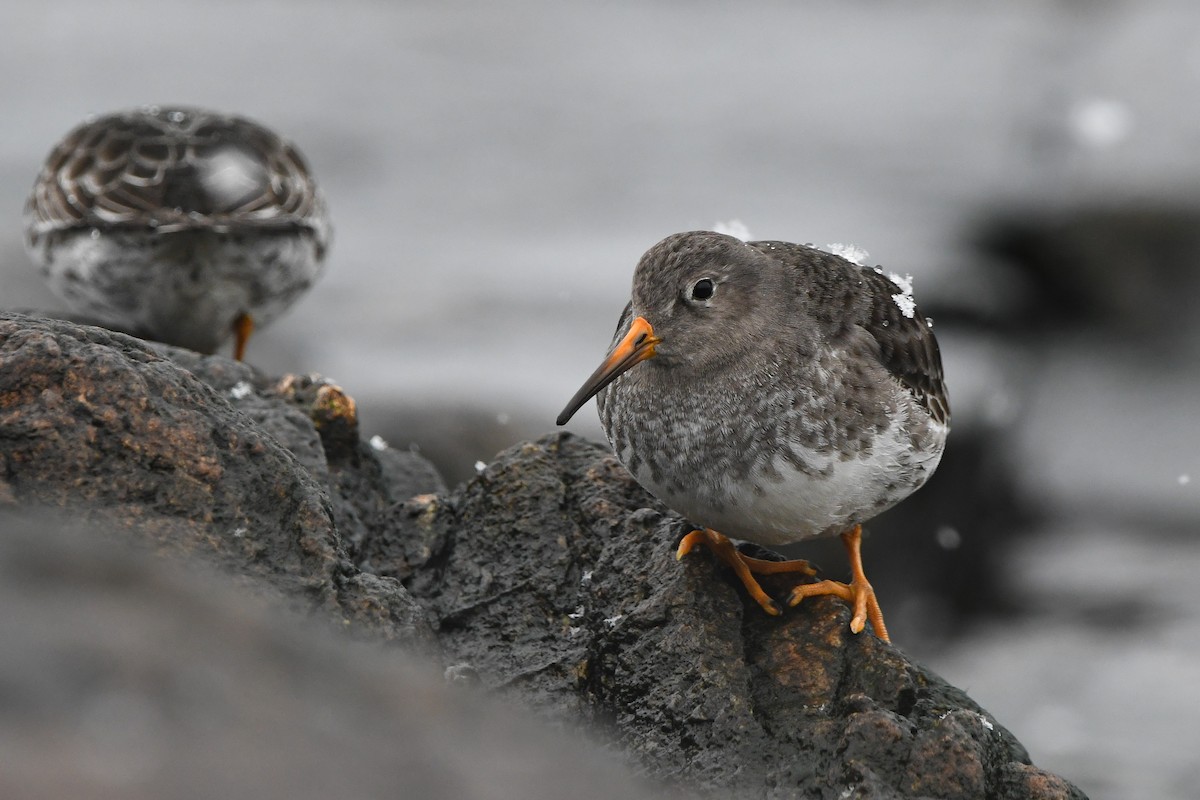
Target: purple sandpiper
{"type": "Point", "coordinates": [177, 224]}
{"type": "Point", "coordinates": [776, 393]}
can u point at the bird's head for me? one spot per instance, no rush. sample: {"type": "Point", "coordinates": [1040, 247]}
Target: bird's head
{"type": "Point", "coordinates": [693, 298]}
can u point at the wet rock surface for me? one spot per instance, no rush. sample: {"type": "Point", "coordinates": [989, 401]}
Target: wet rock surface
{"type": "Point", "coordinates": [104, 425]}
{"type": "Point", "coordinates": [552, 576]}
{"type": "Point", "coordinates": [548, 579]}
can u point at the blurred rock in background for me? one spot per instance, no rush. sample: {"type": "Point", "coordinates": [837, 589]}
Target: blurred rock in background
{"type": "Point", "coordinates": [131, 675]}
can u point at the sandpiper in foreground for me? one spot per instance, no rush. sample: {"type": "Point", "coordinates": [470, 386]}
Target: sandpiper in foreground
{"type": "Point", "coordinates": [775, 393]}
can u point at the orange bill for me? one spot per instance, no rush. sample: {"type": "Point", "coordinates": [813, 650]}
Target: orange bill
{"type": "Point", "coordinates": [636, 347]}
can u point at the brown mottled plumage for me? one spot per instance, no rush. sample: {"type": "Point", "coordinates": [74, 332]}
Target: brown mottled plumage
{"type": "Point", "coordinates": [775, 393]}
{"type": "Point", "coordinates": [178, 224]}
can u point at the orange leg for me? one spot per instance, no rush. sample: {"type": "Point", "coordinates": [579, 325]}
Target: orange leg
{"type": "Point", "coordinates": [243, 326]}
{"type": "Point", "coordinates": [742, 565]}
{"type": "Point", "coordinates": [858, 593]}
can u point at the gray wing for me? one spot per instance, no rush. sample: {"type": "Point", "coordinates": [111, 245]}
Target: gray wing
{"type": "Point", "coordinates": [908, 348]}
{"type": "Point", "coordinates": [845, 294]}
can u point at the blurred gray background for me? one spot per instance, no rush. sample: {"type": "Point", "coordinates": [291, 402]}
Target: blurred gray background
{"type": "Point", "coordinates": [494, 171]}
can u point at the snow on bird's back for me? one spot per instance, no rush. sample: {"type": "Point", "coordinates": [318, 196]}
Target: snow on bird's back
{"type": "Point", "coordinates": [904, 299]}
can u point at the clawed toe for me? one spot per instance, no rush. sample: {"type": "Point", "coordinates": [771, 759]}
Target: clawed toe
{"type": "Point", "coordinates": [743, 566]}
{"type": "Point", "coordinates": [860, 596]}
{"type": "Point", "coordinates": [858, 593]}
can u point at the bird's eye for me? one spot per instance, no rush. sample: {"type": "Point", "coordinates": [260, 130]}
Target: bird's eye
{"type": "Point", "coordinates": [703, 289]}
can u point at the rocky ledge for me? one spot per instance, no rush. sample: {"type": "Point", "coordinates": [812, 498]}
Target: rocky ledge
{"type": "Point", "coordinates": [548, 581]}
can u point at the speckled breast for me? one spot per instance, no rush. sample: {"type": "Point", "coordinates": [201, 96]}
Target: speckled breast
{"type": "Point", "coordinates": [771, 464]}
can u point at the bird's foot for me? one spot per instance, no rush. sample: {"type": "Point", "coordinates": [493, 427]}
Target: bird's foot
{"type": "Point", "coordinates": [743, 566]}
{"type": "Point", "coordinates": [858, 593]}
{"type": "Point", "coordinates": [860, 596]}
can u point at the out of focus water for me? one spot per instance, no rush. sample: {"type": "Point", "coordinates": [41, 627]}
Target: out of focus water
{"type": "Point", "coordinates": [495, 170]}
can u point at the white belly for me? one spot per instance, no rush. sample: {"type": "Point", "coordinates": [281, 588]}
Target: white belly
{"type": "Point", "coordinates": [784, 505]}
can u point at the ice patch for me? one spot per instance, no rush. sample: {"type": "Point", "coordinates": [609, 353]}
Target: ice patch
{"type": "Point", "coordinates": [851, 252]}
{"type": "Point", "coordinates": [241, 390]}
{"type": "Point", "coordinates": [735, 228]}
{"type": "Point", "coordinates": [377, 443]}
{"type": "Point", "coordinates": [480, 466]}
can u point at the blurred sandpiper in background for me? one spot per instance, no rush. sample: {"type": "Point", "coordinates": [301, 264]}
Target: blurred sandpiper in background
{"type": "Point", "coordinates": [494, 171]}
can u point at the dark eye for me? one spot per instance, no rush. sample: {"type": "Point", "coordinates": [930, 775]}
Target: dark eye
{"type": "Point", "coordinates": [703, 289]}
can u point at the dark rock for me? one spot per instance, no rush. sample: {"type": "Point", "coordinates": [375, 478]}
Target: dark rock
{"type": "Point", "coordinates": [1116, 269]}
{"type": "Point", "coordinates": [317, 422]}
{"type": "Point", "coordinates": [552, 575]}
{"type": "Point", "coordinates": [454, 435]}
{"type": "Point", "coordinates": [127, 675]}
{"type": "Point", "coordinates": [101, 423]}
{"type": "Point", "coordinates": [549, 577]}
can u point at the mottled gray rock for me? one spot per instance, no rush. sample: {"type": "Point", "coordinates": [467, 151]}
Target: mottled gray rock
{"type": "Point", "coordinates": [552, 576]}
{"type": "Point", "coordinates": [102, 424]}
{"type": "Point", "coordinates": [316, 421]}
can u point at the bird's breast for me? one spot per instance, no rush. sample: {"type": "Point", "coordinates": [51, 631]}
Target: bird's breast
{"type": "Point", "coordinates": [770, 464]}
